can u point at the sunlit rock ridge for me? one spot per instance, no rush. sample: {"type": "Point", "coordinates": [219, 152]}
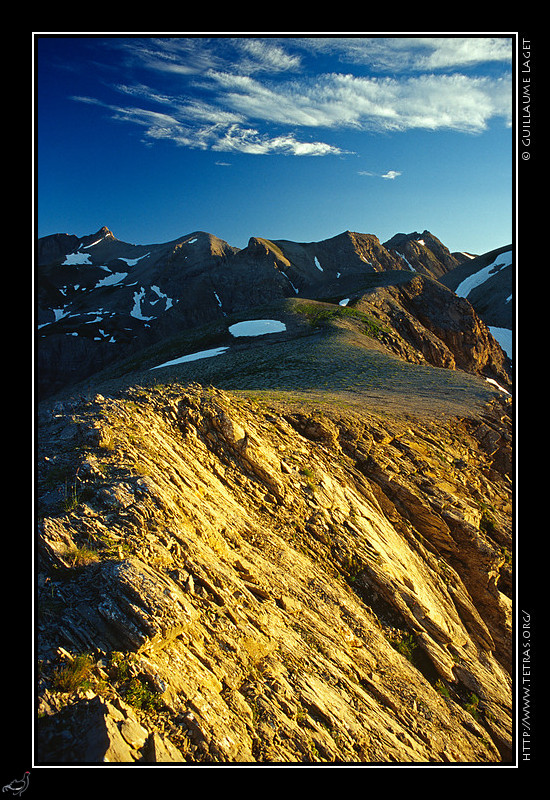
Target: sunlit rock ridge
{"type": "Point", "coordinates": [273, 502]}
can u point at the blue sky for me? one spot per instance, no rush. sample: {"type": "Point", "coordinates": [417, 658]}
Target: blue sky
{"type": "Point", "coordinates": [284, 137]}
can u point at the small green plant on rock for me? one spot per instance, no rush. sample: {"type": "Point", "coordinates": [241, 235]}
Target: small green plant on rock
{"type": "Point", "coordinates": [82, 556]}
{"type": "Point", "coordinates": [74, 675]}
{"type": "Point", "coordinates": [487, 523]}
{"type": "Point", "coordinates": [405, 644]}
{"type": "Point", "coordinates": [120, 665]}
{"type": "Point", "coordinates": [309, 475]}
{"type": "Point", "coordinates": [139, 695]}
{"type": "Point", "coordinates": [472, 706]}
{"type": "Point", "coordinates": [71, 498]}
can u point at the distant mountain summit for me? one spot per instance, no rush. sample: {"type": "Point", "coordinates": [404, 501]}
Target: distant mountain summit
{"type": "Point", "coordinates": [423, 252]}
{"type": "Point", "coordinates": [99, 299]}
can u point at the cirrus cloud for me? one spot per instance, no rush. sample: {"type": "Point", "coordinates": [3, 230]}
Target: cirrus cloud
{"type": "Point", "coordinates": [260, 96]}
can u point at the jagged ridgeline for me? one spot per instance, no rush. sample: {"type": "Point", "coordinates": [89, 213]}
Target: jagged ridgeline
{"type": "Point", "coordinates": [101, 302]}
{"type": "Point", "coordinates": [274, 502]}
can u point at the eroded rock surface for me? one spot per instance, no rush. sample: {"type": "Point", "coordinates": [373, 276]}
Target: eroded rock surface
{"type": "Point", "coordinates": [229, 580]}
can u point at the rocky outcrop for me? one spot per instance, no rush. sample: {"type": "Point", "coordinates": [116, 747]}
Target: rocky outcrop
{"type": "Point", "coordinates": [93, 730]}
{"type": "Point", "coordinates": [229, 580]}
{"type": "Point", "coordinates": [424, 253]}
{"type": "Point", "coordinates": [432, 323]}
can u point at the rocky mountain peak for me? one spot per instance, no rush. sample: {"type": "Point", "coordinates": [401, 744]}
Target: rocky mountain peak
{"type": "Point", "coordinates": [101, 299]}
{"type": "Point", "coordinates": [425, 251]}
{"type": "Point", "coordinates": [262, 248]}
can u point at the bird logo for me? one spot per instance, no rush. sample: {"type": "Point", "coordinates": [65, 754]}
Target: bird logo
{"type": "Point", "coordinates": [17, 787]}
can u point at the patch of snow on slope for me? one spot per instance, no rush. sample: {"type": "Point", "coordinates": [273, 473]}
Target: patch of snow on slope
{"type": "Point", "coordinates": [76, 259]}
{"type": "Point", "coordinates": [112, 279]}
{"type": "Point", "coordinates": [87, 246]}
{"type": "Point", "coordinates": [132, 261]}
{"type": "Point", "coordinates": [318, 265]}
{"type": "Point", "coordinates": [502, 389]}
{"type": "Point", "coordinates": [288, 279]}
{"type": "Point", "coordinates": [407, 262]}
{"type": "Point", "coordinates": [504, 338]}
{"type": "Point", "coordinates": [257, 327]}
{"type": "Point", "coordinates": [162, 296]}
{"type": "Point", "coordinates": [218, 300]}
{"type": "Point", "coordinates": [193, 357]}
{"type": "Point", "coordinates": [470, 283]}
{"type": "Point", "coordinates": [136, 310]}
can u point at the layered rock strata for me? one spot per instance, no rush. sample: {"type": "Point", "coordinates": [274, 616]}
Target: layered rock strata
{"type": "Point", "coordinates": [233, 581]}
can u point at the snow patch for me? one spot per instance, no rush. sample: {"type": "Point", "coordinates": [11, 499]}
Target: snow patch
{"type": "Point", "coordinates": [193, 357]}
{"type": "Point", "coordinates": [502, 389]}
{"type": "Point", "coordinates": [76, 259]}
{"type": "Point", "coordinates": [132, 261]}
{"type": "Point", "coordinates": [412, 269]}
{"type": "Point", "coordinates": [111, 280]}
{"type": "Point", "coordinates": [136, 310]}
{"type": "Point", "coordinates": [504, 338]}
{"type": "Point", "coordinates": [97, 241]}
{"type": "Point", "coordinates": [344, 302]}
{"type": "Point", "coordinates": [470, 283]}
{"type": "Point", "coordinates": [257, 327]}
{"type": "Point", "coordinates": [288, 279]}
{"type": "Point", "coordinates": [318, 265]}
{"type": "Point", "coordinates": [162, 296]}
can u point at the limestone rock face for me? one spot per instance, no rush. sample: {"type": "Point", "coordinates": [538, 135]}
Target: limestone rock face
{"type": "Point", "coordinates": [432, 321]}
{"type": "Point", "coordinates": [232, 580]}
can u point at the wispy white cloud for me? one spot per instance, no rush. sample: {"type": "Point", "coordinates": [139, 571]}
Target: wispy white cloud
{"type": "Point", "coordinates": [390, 175]}
{"type": "Point", "coordinates": [413, 54]}
{"type": "Point", "coordinates": [430, 102]}
{"type": "Point", "coordinates": [221, 133]}
{"type": "Point", "coordinates": [253, 95]}
{"type": "Point", "coordinates": [249, 140]}
{"type": "Point", "coordinates": [172, 55]}
{"type": "Point", "coordinates": [261, 55]}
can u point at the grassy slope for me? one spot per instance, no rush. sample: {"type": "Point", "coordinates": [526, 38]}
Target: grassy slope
{"type": "Point", "coordinates": [329, 353]}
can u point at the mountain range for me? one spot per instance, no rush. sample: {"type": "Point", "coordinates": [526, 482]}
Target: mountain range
{"type": "Point", "coordinates": [101, 301]}
{"type": "Point", "coordinates": [273, 502]}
